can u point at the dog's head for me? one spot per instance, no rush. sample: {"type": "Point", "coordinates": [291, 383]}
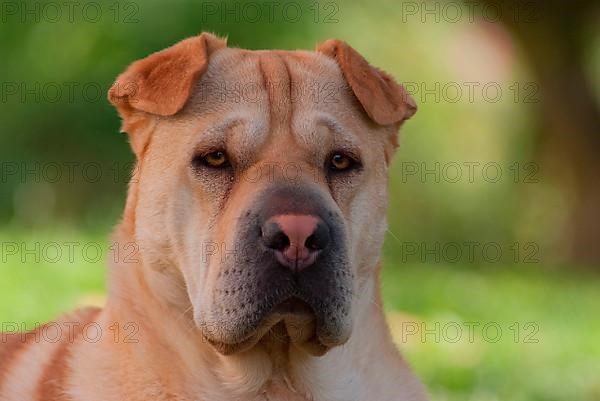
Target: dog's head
{"type": "Point", "coordinates": [261, 183]}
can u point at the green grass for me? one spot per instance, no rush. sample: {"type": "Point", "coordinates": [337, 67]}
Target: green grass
{"type": "Point", "coordinates": [556, 357]}
{"type": "Point", "coordinates": [34, 291]}
{"type": "Point", "coordinates": [560, 360]}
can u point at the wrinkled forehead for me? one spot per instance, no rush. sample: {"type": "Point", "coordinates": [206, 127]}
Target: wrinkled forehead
{"type": "Point", "coordinates": [279, 92]}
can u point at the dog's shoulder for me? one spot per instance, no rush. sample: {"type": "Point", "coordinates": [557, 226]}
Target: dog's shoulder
{"type": "Point", "coordinates": [41, 353]}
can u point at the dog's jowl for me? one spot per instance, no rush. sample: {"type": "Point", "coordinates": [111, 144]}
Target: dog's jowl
{"type": "Point", "coordinates": [258, 211]}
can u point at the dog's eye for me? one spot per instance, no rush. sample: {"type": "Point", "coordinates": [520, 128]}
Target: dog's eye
{"type": "Point", "coordinates": [341, 162]}
{"type": "Point", "coordinates": [216, 159]}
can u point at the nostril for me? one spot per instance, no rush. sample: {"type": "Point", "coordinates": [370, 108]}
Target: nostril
{"type": "Point", "coordinates": [311, 243]}
{"type": "Point", "coordinates": [279, 241]}
{"type": "Point", "coordinates": [319, 239]}
{"type": "Point", "coordinates": [274, 238]}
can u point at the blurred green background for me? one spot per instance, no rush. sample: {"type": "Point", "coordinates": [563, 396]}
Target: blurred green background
{"type": "Point", "coordinates": [494, 217]}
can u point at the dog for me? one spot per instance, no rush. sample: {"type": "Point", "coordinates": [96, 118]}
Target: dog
{"type": "Point", "coordinates": [258, 213]}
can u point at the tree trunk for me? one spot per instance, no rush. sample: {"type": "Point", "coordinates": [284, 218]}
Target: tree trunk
{"type": "Point", "coordinates": [568, 139]}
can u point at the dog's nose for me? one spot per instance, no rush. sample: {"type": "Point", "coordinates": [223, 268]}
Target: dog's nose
{"type": "Point", "coordinates": [295, 239]}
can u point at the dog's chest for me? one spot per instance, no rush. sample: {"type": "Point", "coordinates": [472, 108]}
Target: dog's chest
{"type": "Point", "coordinates": [279, 390]}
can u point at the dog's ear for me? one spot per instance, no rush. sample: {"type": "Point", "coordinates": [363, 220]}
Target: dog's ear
{"type": "Point", "coordinates": [383, 99]}
{"type": "Point", "coordinates": [161, 83]}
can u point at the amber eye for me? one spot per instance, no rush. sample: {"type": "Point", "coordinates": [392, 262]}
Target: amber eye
{"type": "Point", "coordinates": [215, 159]}
{"type": "Point", "coordinates": [341, 162]}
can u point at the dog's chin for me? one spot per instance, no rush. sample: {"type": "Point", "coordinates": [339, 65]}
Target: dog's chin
{"type": "Point", "coordinates": [291, 322]}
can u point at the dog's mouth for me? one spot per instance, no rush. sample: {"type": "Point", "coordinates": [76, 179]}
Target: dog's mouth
{"type": "Point", "coordinates": [292, 321]}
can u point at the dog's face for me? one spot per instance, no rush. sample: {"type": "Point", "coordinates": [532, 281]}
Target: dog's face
{"type": "Point", "coordinates": [262, 183]}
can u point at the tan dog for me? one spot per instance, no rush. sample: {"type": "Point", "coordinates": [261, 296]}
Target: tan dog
{"type": "Point", "coordinates": [259, 211]}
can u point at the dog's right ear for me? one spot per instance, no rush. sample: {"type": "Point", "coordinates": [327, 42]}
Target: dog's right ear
{"type": "Point", "coordinates": [161, 83]}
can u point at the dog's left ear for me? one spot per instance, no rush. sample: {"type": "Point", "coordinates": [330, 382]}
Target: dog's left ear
{"type": "Point", "coordinates": [383, 99]}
